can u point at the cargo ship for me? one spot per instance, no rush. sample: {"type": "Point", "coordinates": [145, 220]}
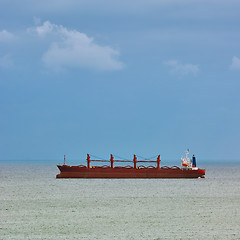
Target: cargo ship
{"type": "Point", "coordinates": [188, 169]}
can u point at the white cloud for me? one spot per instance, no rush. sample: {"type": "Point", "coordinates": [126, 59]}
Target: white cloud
{"type": "Point", "coordinates": [182, 69]}
{"type": "Point", "coordinates": [235, 63]}
{"type": "Point", "coordinates": [5, 61]}
{"type": "Point", "coordinates": [46, 28]}
{"type": "Point", "coordinates": [6, 36]}
{"type": "Point", "coordinates": [71, 48]}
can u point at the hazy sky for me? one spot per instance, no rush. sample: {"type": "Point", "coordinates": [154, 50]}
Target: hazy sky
{"type": "Point", "coordinates": [122, 77]}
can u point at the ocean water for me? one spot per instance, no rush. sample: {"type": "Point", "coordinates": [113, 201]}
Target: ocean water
{"type": "Point", "coordinates": [36, 205]}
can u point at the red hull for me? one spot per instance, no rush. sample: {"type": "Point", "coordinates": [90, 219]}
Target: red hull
{"type": "Point", "coordinates": [127, 172]}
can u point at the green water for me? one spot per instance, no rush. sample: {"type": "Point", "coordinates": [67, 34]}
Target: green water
{"type": "Point", "coordinates": [35, 205]}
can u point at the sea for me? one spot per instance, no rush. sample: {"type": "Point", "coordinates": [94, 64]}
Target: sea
{"type": "Point", "coordinates": [36, 205]}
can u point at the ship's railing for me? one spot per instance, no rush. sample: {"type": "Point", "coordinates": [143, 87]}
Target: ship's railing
{"type": "Point", "coordinates": [112, 161]}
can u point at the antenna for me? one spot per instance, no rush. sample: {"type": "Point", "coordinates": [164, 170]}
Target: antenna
{"type": "Point", "coordinates": [64, 159]}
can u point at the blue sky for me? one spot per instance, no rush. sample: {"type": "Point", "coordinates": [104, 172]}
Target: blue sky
{"type": "Point", "coordinates": [125, 77]}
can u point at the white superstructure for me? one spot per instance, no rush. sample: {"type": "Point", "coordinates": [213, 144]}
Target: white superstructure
{"type": "Point", "coordinates": [187, 162]}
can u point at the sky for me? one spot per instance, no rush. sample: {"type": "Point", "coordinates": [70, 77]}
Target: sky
{"type": "Point", "coordinates": [144, 76]}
